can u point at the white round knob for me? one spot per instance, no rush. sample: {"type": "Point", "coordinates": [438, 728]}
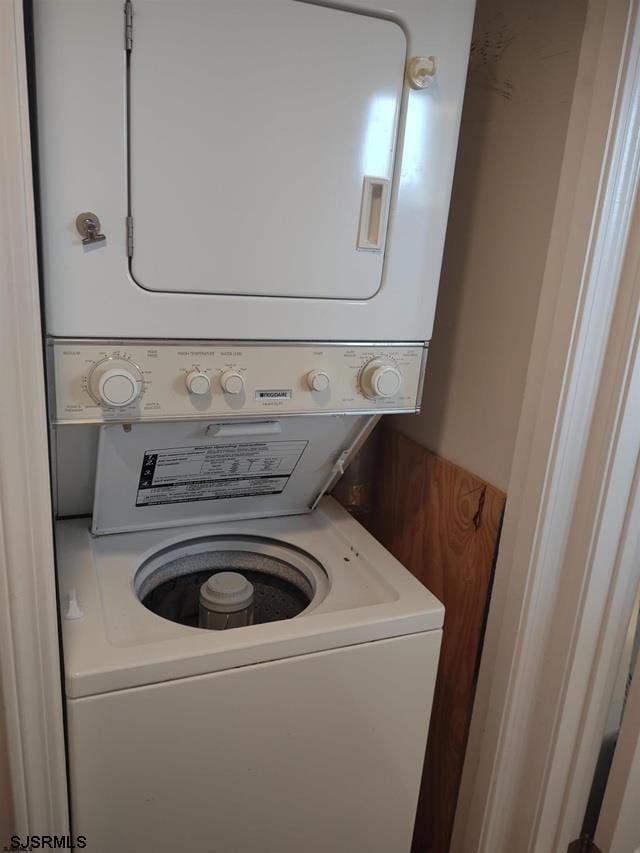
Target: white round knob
{"type": "Point", "coordinates": [232, 382]}
{"type": "Point", "coordinates": [198, 382]}
{"type": "Point", "coordinates": [318, 380]}
{"type": "Point", "coordinates": [381, 380]}
{"type": "Point", "coordinates": [117, 387]}
{"type": "Point", "coordinates": [115, 382]}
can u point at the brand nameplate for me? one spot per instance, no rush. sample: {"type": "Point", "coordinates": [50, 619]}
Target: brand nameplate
{"type": "Point", "coordinates": [274, 394]}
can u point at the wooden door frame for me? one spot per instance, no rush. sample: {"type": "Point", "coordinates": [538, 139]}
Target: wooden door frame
{"type": "Point", "coordinates": [561, 597]}
{"type": "Point", "coordinates": [516, 791]}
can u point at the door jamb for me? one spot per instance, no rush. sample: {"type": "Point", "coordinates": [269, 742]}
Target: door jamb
{"type": "Point", "coordinates": [554, 623]}
{"type": "Point", "coordinates": [29, 650]}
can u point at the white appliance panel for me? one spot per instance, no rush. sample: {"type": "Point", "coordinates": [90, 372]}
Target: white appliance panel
{"type": "Point", "coordinates": [187, 380]}
{"type": "Point", "coordinates": [162, 475]}
{"type": "Point", "coordinates": [316, 753]}
{"type": "Point", "coordinates": [89, 292]}
{"type": "Point", "coordinates": [251, 126]}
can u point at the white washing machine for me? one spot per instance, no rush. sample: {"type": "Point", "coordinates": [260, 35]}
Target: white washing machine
{"type": "Point", "coordinates": [303, 731]}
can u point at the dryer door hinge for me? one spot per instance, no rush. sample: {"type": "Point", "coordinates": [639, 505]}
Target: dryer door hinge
{"type": "Point", "coordinates": [128, 25]}
{"type": "Point", "coordinates": [129, 236]}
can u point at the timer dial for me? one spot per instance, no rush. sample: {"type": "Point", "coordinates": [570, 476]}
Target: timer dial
{"type": "Point", "coordinates": [232, 382]}
{"type": "Point", "coordinates": [381, 379]}
{"type": "Point", "coordinates": [198, 382]}
{"type": "Point", "coordinates": [115, 382]}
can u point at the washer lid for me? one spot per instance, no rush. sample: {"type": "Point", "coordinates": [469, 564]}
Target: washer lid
{"type": "Point", "coordinates": [153, 475]}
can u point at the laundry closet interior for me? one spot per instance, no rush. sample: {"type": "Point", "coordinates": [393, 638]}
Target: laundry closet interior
{"type": "Point", "coordinates": [290, 258]}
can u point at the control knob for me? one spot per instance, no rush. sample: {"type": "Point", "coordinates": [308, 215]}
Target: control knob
{"type": "Point", "coordinates": [318, 380]}
{"type": "Point", "coordinates": [115, 382]}
{"type": "Point", "coordinates": [198, 382]}
{"type": "Point", "coordinates": [381, 379]}
{"type": "Point", "coordinates": [232, 382]}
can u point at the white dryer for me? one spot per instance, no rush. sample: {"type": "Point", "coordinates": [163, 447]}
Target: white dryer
{"type": "Point", "coordinates": [248, 170]}
{"type": "Point", "coordinates": [303, 731]}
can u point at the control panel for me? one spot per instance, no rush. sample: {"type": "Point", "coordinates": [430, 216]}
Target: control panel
{"type": "Point", "coordinates": [106, 381]}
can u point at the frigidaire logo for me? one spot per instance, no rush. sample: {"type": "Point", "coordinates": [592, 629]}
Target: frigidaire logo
{"type": "Point", "coordinates": [47, 842]}
{"type": "Point", "coordinates": [280, 394]}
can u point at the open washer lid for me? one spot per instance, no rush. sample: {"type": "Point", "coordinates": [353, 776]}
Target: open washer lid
{"type": "Point", "coordinates": [152, 475]}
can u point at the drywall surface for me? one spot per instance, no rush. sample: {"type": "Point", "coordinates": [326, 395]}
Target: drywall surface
{"type": "Point", "coordinates": [521, 75]}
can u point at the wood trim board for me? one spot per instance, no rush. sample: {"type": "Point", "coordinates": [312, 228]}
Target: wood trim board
{"type": "Point", "coordinates": [443, 524]}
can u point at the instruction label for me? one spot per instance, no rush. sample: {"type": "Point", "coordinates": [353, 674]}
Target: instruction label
{"type": "Point", "coordinates": [213, 472]}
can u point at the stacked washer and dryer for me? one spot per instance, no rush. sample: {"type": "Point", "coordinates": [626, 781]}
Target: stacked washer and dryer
{"type": "Point", "coordinates": [242, 214]}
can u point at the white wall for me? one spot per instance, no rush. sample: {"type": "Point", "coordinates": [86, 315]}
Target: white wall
{"type": "Point", "coordinates": [521, 75]}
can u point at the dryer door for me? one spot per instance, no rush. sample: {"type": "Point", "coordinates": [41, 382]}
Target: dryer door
{"type": "Point", "coordinates": [262, 139]}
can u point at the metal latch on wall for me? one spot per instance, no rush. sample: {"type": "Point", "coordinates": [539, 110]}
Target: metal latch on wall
{"type": "Point", "coordinates": [88, 227]}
